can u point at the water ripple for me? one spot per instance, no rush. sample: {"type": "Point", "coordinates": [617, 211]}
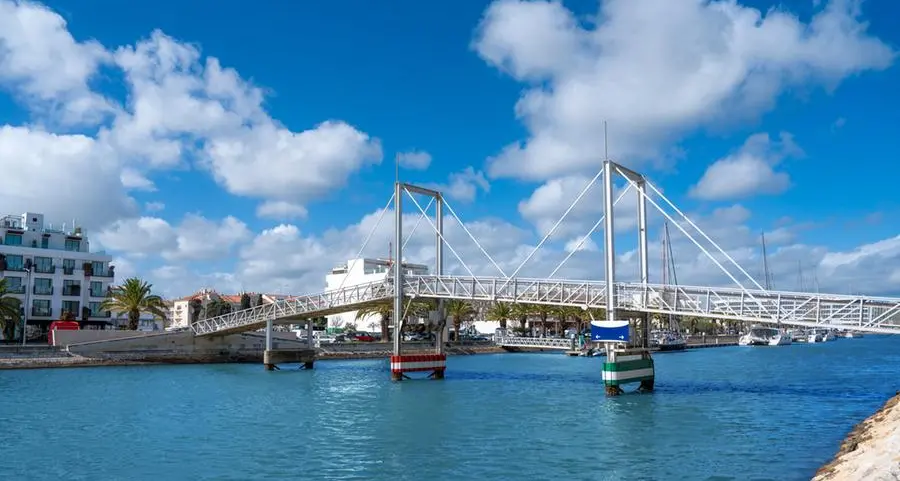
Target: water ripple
{"type": "Point", "coordinates": [717, 414]}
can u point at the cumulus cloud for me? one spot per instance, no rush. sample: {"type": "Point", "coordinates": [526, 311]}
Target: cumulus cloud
{"type": "Point", "coordinates": [749, 171]}
{"type": "Point", "coordinates": [414, 160]}
{"type": "Point", "coordinates": [655, 70]}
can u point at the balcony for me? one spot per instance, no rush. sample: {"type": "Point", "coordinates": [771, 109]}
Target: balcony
{"type": "Point", "coordinates": [69, 271]}
{"type": "Point", "coordinates": [101, 314]}
{"type": "Point", "coordinates": [42, 291]}
{"type": "Point", "coordinates": [97, 293]}
{"type": "Point", "coordinates": [44, 269]}
{"type": "Point", "coordinates": [41, 312]}
{"type": "Point", "coordinates": [103, 273]}
{"type": "Point", "coordinates": [72, 291]}
{"type": "Point", "coordinates": [16, 289]}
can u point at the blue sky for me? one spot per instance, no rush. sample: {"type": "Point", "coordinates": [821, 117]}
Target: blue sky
{"type": "Point", "coordinates": [788, 105]}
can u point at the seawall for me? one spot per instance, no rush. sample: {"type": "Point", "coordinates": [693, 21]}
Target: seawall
{"type": "Point", "coordinates": [870, 451]}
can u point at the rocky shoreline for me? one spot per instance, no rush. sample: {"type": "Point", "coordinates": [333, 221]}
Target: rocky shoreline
{"type": "Point", "coordinates": [871, 451]}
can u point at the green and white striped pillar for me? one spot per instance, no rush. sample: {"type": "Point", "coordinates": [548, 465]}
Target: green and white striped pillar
{"type": "Point", "coordinates": [630, 366]}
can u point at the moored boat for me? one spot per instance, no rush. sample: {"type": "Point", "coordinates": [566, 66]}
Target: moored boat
{"type": "Point", "coordinates": [765, 336]}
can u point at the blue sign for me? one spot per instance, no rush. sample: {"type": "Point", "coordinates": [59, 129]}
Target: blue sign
{"type": "Point", "coordinates": [609, 331]}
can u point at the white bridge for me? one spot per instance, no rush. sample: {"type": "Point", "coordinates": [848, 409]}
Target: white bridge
{"type": "Point", "coordinates": [536, 342]}
{"type": "Point", "coordinates": [860, 313]}
{"type": "Point", "coordinates": [753, 304]}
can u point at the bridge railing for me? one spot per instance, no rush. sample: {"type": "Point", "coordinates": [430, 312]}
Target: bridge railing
{"type": "Point", "coordinates": [868, 313]}
{"type": "Point", "coordinates": [535, 342]}
{"type": "Point", "coordinates": [296, 306]}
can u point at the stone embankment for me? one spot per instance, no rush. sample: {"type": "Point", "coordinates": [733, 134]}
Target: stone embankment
{"type": "Point", "coordinates": [871, 451]}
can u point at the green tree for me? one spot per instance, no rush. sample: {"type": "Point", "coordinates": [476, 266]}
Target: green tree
{"type": "Point", "coordinates": [384, 310]}
{"type": "Point", "coordinates": [245, 301]}
{"type": "Point", "coordinates": [460, 311]}
{"type": "Point", "coordinates": [10, 313]}
{"type": "Point", "coordinates": [217, 307]}
{"type": "Point", "coordinates": [501, 312]}
{"type": "Point", "coordinates": [132, 298]}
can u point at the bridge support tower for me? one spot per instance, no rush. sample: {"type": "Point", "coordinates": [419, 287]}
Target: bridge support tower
{"type": "Point", "coordinates": [436, 362]}
{"type": "Point", "coordinates": [626, 363]}
{"type": "Point", "coordinates": [303, 355]}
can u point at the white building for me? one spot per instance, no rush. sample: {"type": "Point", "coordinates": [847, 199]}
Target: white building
{"type": "Point", "coordinates": [361, 271]}
{"type": "Point", "coordinates": [180, 309]}
{"type": "Point", "coordinates": [52, 271]}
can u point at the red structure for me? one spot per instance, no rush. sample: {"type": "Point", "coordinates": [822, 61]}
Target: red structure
{"type": "Point", "coordinates": [62, 326]}
{"type": "Point", "coordinates": [436, 363]}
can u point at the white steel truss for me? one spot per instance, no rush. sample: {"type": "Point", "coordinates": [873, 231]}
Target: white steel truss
{"type": "Point", "coordinates": [536, 342]}
{"type": "Point", "coordinates": [860, 313]}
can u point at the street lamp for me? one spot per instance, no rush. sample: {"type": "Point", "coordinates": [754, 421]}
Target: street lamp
{"type": "Point", "coordinates": [28, 268]}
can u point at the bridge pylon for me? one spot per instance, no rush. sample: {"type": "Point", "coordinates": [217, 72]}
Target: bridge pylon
{"type": "Point", "coordinates": [630, 362]}
{"type": "Point", "coordinates": [436, 362]}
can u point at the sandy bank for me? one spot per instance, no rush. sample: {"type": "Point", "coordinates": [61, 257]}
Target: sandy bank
{"type": "Point", "coordinates": [871, 451]}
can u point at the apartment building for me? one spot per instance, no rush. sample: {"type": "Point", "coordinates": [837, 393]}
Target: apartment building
{"type": "Point", "coordinates": [52, 271]}
{"type": "Point", "coordinates": [361, 271]}
{"type": "Point", "coordinates": [180, 310]}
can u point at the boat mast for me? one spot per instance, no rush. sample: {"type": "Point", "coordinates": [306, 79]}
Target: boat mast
{"type": "Point", "coordinates": [669, 263]}
{"type": "Point", "coordinates": [765, 261]}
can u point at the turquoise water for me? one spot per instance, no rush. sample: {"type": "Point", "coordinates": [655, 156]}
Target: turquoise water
{"type": "Point", "coordinates": [725, 413]}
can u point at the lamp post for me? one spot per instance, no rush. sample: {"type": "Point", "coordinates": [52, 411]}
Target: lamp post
{"type": "Point", "coordinates": [28, 267]}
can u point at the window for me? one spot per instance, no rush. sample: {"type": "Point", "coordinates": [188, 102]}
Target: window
{"type": "Point", "coordinates": [68, 266]}
{"type": "Point", "coordinates": [43, 265]}
{"type": "Point", "coordinates": [43, 287]}
{"type": "Point", "coordinates": [14, 263]}
{"type": "Point", "coordinates": [13, 239]}
{"type": "Point", "coordinates": [14, 285]}
{"type": "Point", "coordinates": [99, 269]}
{"type": "Point", "coordinates": [45, 242]}
{"type": "Point", "coordinates": [71, 288]}
{"type": "Point", "coordinates": [41, 307]}
{"type": "Point", "coordinates": [73, 307]}
{"type": "Point", "coordinates": [96, 289]}
{"type": "Point", "coordinates": [73, 245]}
{"type": "Point", "coordinates": [95, 308]}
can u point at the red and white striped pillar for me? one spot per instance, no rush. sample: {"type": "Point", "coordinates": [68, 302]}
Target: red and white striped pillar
{"type": "Point", "coordinates": [404, 363]}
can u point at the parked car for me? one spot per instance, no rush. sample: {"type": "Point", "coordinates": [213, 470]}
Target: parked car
{"type": "Point", "coordinates": [364, 338]}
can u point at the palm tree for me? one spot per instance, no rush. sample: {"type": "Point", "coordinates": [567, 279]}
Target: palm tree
{"type": "Point", "coordinates": [383, 309]}
{"type": "Point", "coordinates": [9, 311]}
{"type": "Point", "coordinates": [459, 311]}
{"type": "Point", "coordinates": [132, 298]}
{"type": "Point", "coordinates": [500, 311]}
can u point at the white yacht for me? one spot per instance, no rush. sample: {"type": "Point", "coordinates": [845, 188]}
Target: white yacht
{"type": "Point", "coordinates": [851, 334]}
{"type": "Point", "coordinates": [828, 335]}
{"type": "Point", "coordinates": [668, 341]}
{"type": "Point", "coordinates": [765, 336]}
{"type": "Point", "coordinates": [815, 335]}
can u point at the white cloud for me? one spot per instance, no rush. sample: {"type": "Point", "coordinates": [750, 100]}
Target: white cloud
{"type": "Point", "coordinates": [195, 238]}
{"type": "Point", "coordinates": [749, 171]}
{"type": "Point", "coordinates": [62, 176]}
{"type": "Point", "coordinates": [414, 160]}
{"type": "Point", "coordinates": [280, 209]}
{"type": "Point", "coordinates": [464, 185]}
{"type": "Point", "coordinates": [175, 95]}
{"type": "Point", "coordinates": [41, 60]}
{"type": "Point", "coordinates": [133, 179]}
{"type": "Point", "coordinates": [655, 70]}
{"type": "Point", "coordinates": [154, 206]}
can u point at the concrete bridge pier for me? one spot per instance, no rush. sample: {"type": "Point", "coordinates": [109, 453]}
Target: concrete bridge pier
{"type": "Point", "coordinates": [273, 357]}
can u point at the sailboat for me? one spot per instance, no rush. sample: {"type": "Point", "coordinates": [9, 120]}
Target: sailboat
{"type": "Point", "coordinates": [766, 335]}
{"type": "Point", "coordinates": [671, 338]}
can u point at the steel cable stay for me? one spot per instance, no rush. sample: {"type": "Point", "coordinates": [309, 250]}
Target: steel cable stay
{"type": "Point", "coordinates": [366, 242]}
{"type": "Point", "coordinates": [589, 233]}
{"type": "Point", "coordinates": [553, 229]}
{"type": "Point", "coordinates": [696, 243]}
{"type": "Point", "coordinates": [418, 221]}
{"type": "Point", "coordinates": [478, 244]}
{"type": "Point", "coordinates": [441, 235]}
